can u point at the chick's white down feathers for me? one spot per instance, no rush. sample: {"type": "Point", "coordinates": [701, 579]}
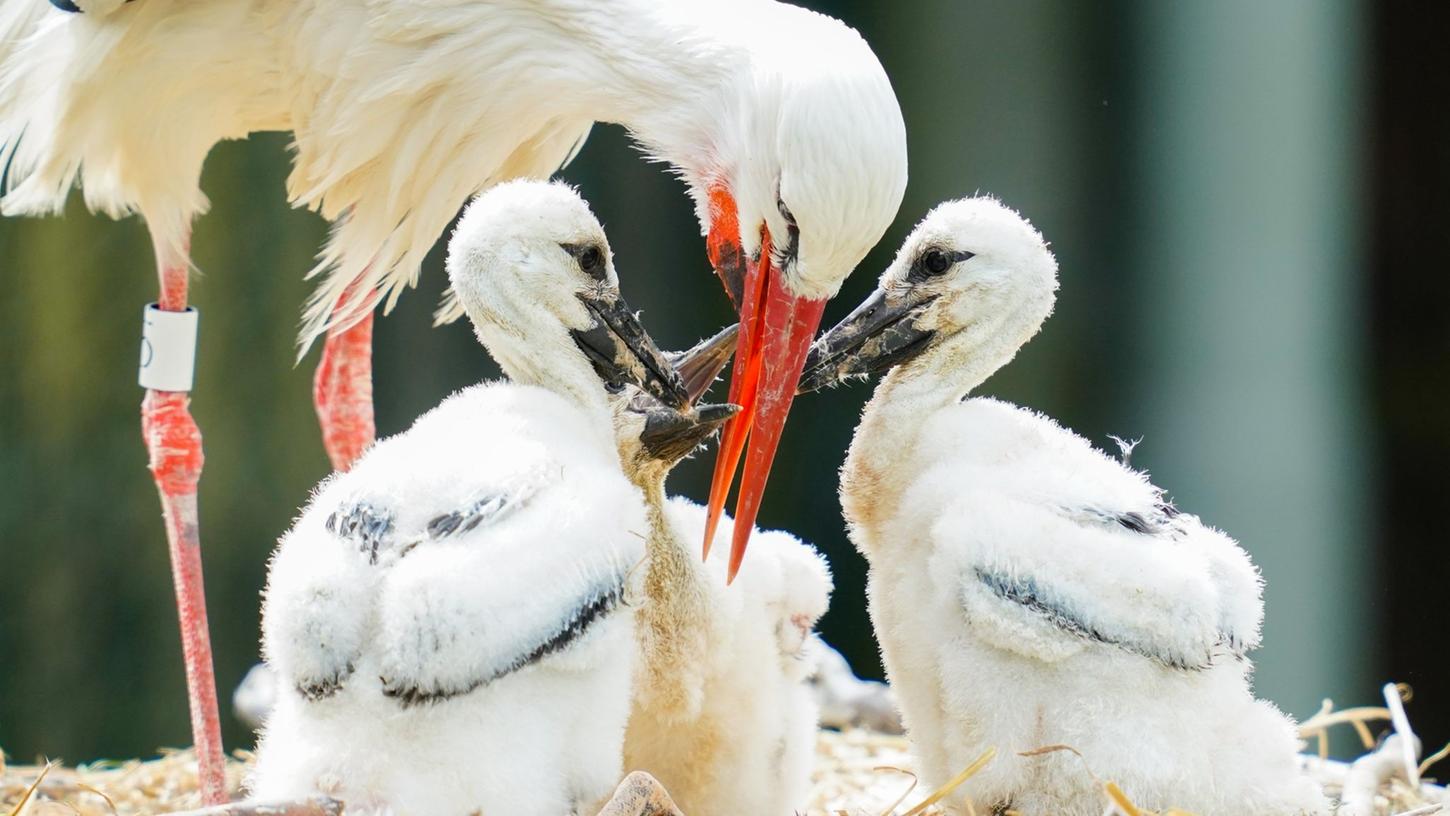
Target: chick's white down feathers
{"type": "Point", "coordinates": [401, 109]}
{"type": "Point", "coordinates": [447, 618]}
{"type": "Point", "coordinates": [722, 713]}
{"type": "Point", "coordinates": [1028, 590]}
{"type": "Point", "coordinates": [438, 614]}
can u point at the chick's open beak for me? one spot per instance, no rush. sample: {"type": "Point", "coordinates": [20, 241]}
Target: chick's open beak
{"type": "Point", "coordinates": [701, 364]}
{"type": "Point", "coordinates": [670, 436]}
{"type": "Point", "coordinates": [622, 352]}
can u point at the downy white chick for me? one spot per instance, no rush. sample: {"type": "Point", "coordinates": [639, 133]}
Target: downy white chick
{"type": "Point", "coordinates": [446, 617]}
{"type": "Point", "coordinates": [1027, 589]}
{"type": "Point", "coordinates": [722, 714]}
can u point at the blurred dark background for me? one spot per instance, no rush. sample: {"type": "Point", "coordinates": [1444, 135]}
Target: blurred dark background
{"type": "Point", "coordinates": [1248, 203]}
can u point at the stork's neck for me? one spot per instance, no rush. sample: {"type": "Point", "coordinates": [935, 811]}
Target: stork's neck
{"type": "Point", "coordinates": [667, 71]}
{"type": "Point", "coordinates": [556, 365]}
{"type": "Point", "coordinates": [670, 625]}
{"type": "Point", "coordinates": [885, 453]}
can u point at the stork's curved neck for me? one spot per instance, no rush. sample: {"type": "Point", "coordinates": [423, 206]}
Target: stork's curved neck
{"type": "Point", "coordinates": [670, 624]}
{"type": "Point", "coordinates": [666, 71]}
{"type": "Point", "coordinates": [554, 364]}
{"type": "Point", "coordinates": [883, 460]}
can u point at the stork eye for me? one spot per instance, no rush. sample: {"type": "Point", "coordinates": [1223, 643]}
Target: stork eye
{"type": "Point", "coordinates": [936, 262]}
{"type": "Point", "coordinates": [591, 261]}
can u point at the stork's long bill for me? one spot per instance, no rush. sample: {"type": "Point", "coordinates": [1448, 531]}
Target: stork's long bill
{"type": "Point", "coordinates": [776, 328]}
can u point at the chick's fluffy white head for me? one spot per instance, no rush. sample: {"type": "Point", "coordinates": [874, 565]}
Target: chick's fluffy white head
{"type": "Point", "coordinates": [518, 262]}
{"type": "Point", "coordinates": [998, 287]}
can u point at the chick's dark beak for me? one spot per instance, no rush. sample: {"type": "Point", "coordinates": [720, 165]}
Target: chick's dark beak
{"type": "Point", "coordinates": [700, 365]}
{"type": "Point", "coordinates": [670, 436]}
{"type": "Point", "coordinates": [882, 332]}
{"type": "Point", "coordinates": [623, 353]}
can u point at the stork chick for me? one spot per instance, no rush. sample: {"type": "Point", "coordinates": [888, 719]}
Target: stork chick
{"type": "Point", "coordinates": [722, 713]}
{"type": "Point", "coordinates": [1027, 589]}
{"type": "Point", "coordinates": [446, 617]}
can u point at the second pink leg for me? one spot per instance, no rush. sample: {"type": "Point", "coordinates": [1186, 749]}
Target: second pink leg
{"type": "Point", "coordinates": [342, 391]}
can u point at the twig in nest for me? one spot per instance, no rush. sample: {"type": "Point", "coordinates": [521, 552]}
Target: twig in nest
{"type": "Point", "coordinates": [30, 791]}
{"type": "Point", "coordinates": [955, 782]}
{"type": "Point", "coordinates": [1409, 743]}
{"type": "Point", "coordinates": [902, 798]}
{"type": "Point", "coordinates": [1318, 726]}
{"type": "Point", "coordinates": [1120, 800]}
{"type": "Point", "coordinates": [88, 789]}
{"type": "Point", "coordinates": [1433, 758]}
{"type": "Point", "coordinates": [316, 806]}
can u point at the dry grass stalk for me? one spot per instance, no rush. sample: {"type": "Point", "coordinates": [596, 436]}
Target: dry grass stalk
{"type": "Point", "coordinates": [30, 791]}
{"type": "Point", "coordinates": [318, 806]}
{"type": "Point", "coordinates": [955, 782]}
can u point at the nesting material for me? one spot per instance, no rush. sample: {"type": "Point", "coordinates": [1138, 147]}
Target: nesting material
{"type": "Point", "coordinates": [161, 785]}
{"type": "Point", "coordinates": [857, 773]}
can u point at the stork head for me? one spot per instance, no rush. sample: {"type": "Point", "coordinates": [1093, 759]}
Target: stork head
{"type": "Point", "coordinates": [816, 176]}
{"type": "Point", "coordinates": [653, 437]}
{"type": "Point", "coordinates": [533, 269]}
{"type": "Point", "coordinates": [972, 283]}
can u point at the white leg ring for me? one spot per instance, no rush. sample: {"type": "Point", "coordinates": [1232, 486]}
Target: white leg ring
{"type": "Point", "coordinates": [168, 348]}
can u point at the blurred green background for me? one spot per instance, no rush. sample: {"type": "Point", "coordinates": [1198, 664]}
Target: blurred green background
{"type": "Point", "coordinates": [1247, 200]}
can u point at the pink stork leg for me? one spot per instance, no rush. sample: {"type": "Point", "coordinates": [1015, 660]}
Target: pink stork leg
{"type": "Point", "coordinates": [174, 444]}
{"type": "Point", "coordinates": [342, 391]}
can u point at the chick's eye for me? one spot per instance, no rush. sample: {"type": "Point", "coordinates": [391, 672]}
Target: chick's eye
{"type": "Point", "coordinates": [936, 262]}
{"type": "Point", "coordinates": [591, 261]}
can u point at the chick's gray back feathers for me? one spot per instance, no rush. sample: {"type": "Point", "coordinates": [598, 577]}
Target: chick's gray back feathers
{"type": "Point", "coordinates": [456, 554]}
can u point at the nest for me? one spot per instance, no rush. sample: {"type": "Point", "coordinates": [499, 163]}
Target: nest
{"type": "Point", "coordinates": [162, 785]}
{"type": "Point", "coordinates": [857, 773]}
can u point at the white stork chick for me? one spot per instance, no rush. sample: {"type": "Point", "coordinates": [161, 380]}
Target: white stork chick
{"type": "Point", "coordinates": [723, 716]}
{"type": "Point", "coordinates": [1027, 589]}
{"type": "Point", "coordinates": [446, 617]}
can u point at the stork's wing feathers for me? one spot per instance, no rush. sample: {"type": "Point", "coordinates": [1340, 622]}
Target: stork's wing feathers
{"type": "Point", "coordinates": [1047, 583]}
{"type": "Point", "coordinates": [492, 508]}
{"type": "Point", "coordinates": [539, 157]}
{"type": "Point", "coordinates": [569, 623]}
{"type": "Point", "coordinates": [1052, 545]}
{"type": "Point", "coordinates": [318, 606]}
{"type": "Point", "coordinates": [534, 577]}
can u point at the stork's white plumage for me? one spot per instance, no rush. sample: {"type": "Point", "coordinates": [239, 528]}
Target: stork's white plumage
{"type": "Point", "coordinates": [401, 109]}
{"type": "Point", "coordinates": [781, 122]}
{"type": "Point", "coordinates": [446, 618]}
{"type": "Point", "coordinates": [725, 719]}
{"type": "Point", "coordinates": [1027, 589]}
{"type": "Point", "coordinates": [722, 714]}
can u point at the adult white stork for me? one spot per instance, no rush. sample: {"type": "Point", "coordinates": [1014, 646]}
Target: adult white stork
{"type": "Point", "coordinates": [1028, 590]}
{"type": "Point", "coordinates": [781, 122]}
{"type": "Point", "coordinates": [450, 617]}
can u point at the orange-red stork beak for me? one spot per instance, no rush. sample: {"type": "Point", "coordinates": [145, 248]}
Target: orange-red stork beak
{"type": "Point", "coordinates": [776, 329]}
